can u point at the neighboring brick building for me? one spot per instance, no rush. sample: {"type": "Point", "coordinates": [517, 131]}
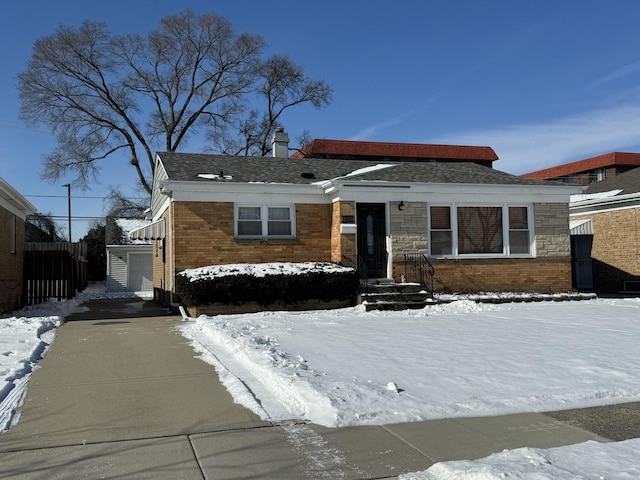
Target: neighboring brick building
{"type": "Point", "coordinates": [590, 170]}
{"type": "Point", "coordinates": [380, 151]}
{"type": "Point", "coordinates": [14, 209]}
{"type": "Point", "coordinates": [481, 228]}
{"type": "Point", "coordinates": [611, 209]}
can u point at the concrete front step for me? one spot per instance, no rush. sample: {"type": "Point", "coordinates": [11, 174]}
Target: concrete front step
{"type": "Point", "coordinates": [388, 295]}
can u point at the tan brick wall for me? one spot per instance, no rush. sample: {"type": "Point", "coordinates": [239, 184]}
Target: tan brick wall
{"type": "Point", "coordinates": [11, 264]}
{"type": "Point", "coordinates": [616, 248]}
{"type": "Point", "coordinates": [551, 229]}
{"type": "Point", "coordinates": [341, 244]}
{"type": "Point", "coordinates": [203, 235]}
{"type": "Point", "coordinates": [516, 275]}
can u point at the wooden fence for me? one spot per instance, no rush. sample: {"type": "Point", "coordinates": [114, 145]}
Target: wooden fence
{"type": "Point", "coordinates": [54, 271]}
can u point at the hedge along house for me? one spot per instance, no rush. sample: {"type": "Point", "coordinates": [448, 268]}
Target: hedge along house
{"type": "Point", "coordinates": [482, 229]}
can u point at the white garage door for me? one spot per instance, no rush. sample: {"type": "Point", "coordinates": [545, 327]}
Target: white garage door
{"type": "Point", "coordinates": [140, 272]}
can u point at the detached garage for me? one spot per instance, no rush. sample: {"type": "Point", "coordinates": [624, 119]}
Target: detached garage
{"type": "Point", "coordinates": [130, 268]}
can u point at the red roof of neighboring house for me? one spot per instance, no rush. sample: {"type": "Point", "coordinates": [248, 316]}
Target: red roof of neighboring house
{"type": "Point", "coordinates": [352, 148]}
{"type": "Point", "coordinates": [601, 161]}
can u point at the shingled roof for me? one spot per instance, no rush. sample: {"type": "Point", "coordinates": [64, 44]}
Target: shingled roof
{"type": "Point", "coordinates": [247, 169]}
{"type": "Point", "coordinates": [628, 182]}
{"type": "Point", "coordinates": [360, 150]}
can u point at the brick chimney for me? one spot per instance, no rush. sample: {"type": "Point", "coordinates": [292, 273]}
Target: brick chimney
{"type": "Point", "coordinates": [280, 143]}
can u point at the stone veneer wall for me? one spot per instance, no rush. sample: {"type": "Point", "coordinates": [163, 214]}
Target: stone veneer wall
{"type": "Point", "coordinates": [551, 229]}
{"type": "Point", "coordinates": [549, 271]}
{"type": "Point", "coordinates": [616, 248]}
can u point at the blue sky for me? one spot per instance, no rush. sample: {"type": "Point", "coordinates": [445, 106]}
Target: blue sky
{"type": "Point", "coordinates": [542, 82]}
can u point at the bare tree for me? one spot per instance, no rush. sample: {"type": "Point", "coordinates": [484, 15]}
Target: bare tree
{"type": "Point", "coordinates": [281, 85]}
{"type": "Point", "coordinates": [40, 227]}
{"type": "Point", "coordinates": [103, 94]}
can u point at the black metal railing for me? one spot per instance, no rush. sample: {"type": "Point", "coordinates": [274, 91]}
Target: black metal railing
{"type": "Point", "coordinates": [356, 262]}
{"type": "Point", "coordinates": [418, 269]}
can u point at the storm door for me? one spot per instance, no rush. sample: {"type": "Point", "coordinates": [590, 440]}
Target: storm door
{"type": "Point", "coordinates": [372, 248]}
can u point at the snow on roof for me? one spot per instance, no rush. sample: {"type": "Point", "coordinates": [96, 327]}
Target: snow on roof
{"type": "Point", "coordinates": [262, 269]}
{"type": "Point", "coordinates": [594, 196]}
{"type": "Point", "coordinates": [372, 168]}
{"type": "Point", "coordinates": [129, 224]}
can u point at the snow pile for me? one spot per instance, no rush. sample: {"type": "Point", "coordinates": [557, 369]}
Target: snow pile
{"type": "Point", "coordinates": [585, 461]}
{"type": "Point", "coordinates": [350, 367]}
{"type": "Point", "coordinates": [262, 269]}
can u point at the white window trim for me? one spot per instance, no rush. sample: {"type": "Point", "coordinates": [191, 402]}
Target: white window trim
{"type": "Point", "coordinates": [506, 253]}
{"type": "Point", "coordinates": [264, 217]}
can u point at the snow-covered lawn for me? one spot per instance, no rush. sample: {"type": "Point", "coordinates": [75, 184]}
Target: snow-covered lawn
{"type": "Point", "coordinates": [350, 367]}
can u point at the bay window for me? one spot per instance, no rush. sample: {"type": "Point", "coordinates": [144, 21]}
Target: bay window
{"type": "Point", "coordinates": [265, 221]}
{"type": "Point", "coordinates": [491, 230]}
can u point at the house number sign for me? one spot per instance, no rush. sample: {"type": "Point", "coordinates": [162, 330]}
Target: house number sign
{"type": "Point", "coordinates": [348, 219]}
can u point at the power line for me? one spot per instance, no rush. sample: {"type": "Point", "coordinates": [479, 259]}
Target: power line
{"type": "Point", "coordinates": [78, 196]}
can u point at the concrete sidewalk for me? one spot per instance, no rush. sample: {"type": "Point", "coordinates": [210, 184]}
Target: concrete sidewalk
{"type": "Point", "coordinates": [121, 395]}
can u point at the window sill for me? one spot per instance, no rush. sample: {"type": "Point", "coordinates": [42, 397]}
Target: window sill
{"type": "Point", "coordinates": [480, 257]}
{"type": "Point", "coordinates": [264, 239]}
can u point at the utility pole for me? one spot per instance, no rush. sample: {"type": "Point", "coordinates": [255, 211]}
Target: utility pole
{"type": "Point", "coordinates": [68, 185]}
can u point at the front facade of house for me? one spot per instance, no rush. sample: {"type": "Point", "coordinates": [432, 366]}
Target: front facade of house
{"type": "Point", "coordinates": [14, 209]}
{"type": "Point", "coordinates": [482, 229]}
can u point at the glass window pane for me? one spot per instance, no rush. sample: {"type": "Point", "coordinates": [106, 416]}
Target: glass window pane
{"type": "Point", "coordinates": [250, 228]}
{"type": "Point", "coordinates": [279, 213]}
{"type": "Point", "coordinates": [249, 213]}
{"type": "Point", "coordinates": [441, 243]}
{"type": "Point", "coordinates": [480, 230]}
{"type": "Point", "coordinates": [518, 218]}
{"type": "Point", "coordinates": [280, 228]}
{"type": "Point", "coordinates": [519, 241]}
{"type": "Point", "coordinates": [440, 218]}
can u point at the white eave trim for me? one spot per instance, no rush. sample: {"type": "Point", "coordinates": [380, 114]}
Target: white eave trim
{"type": "Point", "coordinates": [630, 200]}
{"type": "Point", "coordinates": [15, 203]}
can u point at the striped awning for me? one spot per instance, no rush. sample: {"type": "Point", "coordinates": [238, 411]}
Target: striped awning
{"type": "Point", "coordinates": [153, 231]}
{"type": "Point", "coordinates": [581, 227]}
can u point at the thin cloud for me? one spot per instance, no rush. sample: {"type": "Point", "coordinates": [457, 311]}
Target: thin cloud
{"type": "Point", "coordinates": [619, 73]}
{"type": "Point", "coordinates": [525, 148]}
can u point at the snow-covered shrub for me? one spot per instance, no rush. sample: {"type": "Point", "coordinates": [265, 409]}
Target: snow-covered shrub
{"type": "Point", "coordinates": [266, 283]}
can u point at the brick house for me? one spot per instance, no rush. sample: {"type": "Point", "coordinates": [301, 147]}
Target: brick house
{"type": "Point", "coordinates": [589, 170]}
{"type": "Point", "coordinates": [482, 229]}
{"type": "Point", "coordinates": [607, 219]}
{"type": "Point", "coordinates": [14, 209]}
